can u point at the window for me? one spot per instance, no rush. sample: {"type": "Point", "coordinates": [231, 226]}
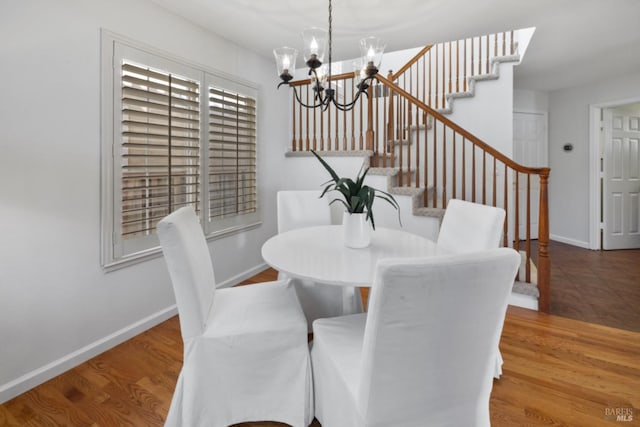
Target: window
{"type": "Point", "coordinates": [173, 135]}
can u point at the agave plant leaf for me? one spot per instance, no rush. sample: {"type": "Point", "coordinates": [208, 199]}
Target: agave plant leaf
{"type": "Point", "coordinates": [326, 189]}
{"type": "Point", "coordinates": [344, 182]}
{"type": "Point", "coordinates": [363, 194]}
{"type": "Point", "coordinates": [392, 202]}
{"type": "Point", "coordinates": [388, 197]}
{"type": "Point", "coordinates": [343, 189]}
{"type": "Point", "coordinates": [371, 197]}
{"type": "Point", "coordinates": [341, 201]}
{"type": "Point", "coordinates": [355, 202]}
{"type": "Point", "coordinates": [360, 179]}
{"type": "Point", "coordinates": [333, 173]}
{"type": "Point", "coordinates": [355, 190]}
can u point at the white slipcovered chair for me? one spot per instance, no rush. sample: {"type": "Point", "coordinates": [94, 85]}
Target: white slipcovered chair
{"type": "Point", "coordinates": [471, 227]}
{"type": "Point", "coordinates": [297, 209]}
{"type": "Point", "coordinates": [423, 355]}
{"type": "Point", "coordinates": [246, 356]}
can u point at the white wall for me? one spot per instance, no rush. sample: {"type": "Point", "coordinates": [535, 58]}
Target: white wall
{"type": "Point", "coordinates": [489, 114]}
{"type": "Point", "coordinates": [569, 179]}
{"type": "Point", "coordinates": [54, 297]}
{"type": "Point", "coordinates": [530, 101]}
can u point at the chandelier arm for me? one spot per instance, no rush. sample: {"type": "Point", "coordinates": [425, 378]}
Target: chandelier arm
{"type": "Point", "coordinates": [302, 103]}
{"type": "Point", "coordinates": [349, 106]}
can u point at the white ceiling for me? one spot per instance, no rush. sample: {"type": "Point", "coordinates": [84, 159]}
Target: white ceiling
{"type": "Point", "coordinates": [576, 41]}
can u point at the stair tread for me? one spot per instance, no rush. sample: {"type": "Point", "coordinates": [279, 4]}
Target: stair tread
{"type": "Point", "coordinates": [429, 212]}
{"type": "Point", "coordinates": [383, 171]}
{"type": "Point", "coordinates": [407, 191]}
{"type": "Point", "coordinates": [526, 288]}
{"type": "Point", "coordinates": [387, 171]}
{"type": "Point", "coordinates": [420, 126]}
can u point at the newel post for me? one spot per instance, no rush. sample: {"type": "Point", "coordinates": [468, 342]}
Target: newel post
{"type": "Point", "coordinates": [294, 146]}
{"type": "Point", "coordinates": [544, 263]}
{"type": "Point", "coordinates": [369, 133]}
{"type": "Point", "coordinates": [390, 117]}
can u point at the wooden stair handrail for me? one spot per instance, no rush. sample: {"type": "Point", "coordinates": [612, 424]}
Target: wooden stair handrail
{"type": "Point", "coordinates": [405, 67]}
{"type": "Point", "coordinates": [477, 141]}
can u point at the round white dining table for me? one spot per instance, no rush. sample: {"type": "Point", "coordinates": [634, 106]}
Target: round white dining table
{"type": "Point", "coordinates": [319, 254]}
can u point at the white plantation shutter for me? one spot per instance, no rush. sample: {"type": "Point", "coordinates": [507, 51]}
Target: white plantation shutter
{"type": "Point", "coordinates": [174, 135]}
{"type": "Point", "coordinates": [232, 153]}
{"type": "Point", "coordinates": [232, 175]}
{"type": "Point", "coordinates": [160, 150]}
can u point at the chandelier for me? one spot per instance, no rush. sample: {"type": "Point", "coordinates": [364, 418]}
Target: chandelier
{"type": "Point", "coordinates": [315, 44]}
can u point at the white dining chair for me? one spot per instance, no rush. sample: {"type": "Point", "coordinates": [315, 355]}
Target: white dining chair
{"type": "Point", "coordinates": [298, 209]}
{"type": "Point", "coordinates": [423, 353]}
{"type": "Point", "coordinates": [246, 356]}
{"type": "Point", "coordinates": [470, 227]}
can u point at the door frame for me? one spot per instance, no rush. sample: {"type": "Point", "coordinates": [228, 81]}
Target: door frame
{"type": "Point", "coordinates": [595, 199]}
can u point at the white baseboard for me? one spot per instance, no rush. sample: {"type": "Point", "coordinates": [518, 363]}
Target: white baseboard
{"type": "Point", "coordinates": [38, 376]}
{"type": "Point", "coordinates": [568, 241]}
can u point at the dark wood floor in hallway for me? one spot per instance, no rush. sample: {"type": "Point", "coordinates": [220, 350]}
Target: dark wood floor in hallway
{"type": "Point", "coordinates": [601, 287]}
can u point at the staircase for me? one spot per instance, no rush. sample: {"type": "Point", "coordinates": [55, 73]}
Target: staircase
{"type": "Point", "coordinates": [402, 129]}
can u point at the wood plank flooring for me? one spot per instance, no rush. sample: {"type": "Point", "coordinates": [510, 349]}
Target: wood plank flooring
{"type": "Point", "coordinates": [557, 371]}
{"type": "Point", "coordinates": [600, 287]}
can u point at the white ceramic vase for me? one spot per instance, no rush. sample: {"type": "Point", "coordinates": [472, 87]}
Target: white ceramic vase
{"type": "Point", "coordinates": [357, 231]}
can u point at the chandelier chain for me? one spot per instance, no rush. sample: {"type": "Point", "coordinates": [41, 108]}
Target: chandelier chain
{"type": "Point", "coordinates": [330, 42]}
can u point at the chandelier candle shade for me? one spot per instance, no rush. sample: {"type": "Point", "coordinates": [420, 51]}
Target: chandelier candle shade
{"type": "Point", "coordinates": [316, 41]}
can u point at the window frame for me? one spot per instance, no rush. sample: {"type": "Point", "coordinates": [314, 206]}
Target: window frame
{"type": "Point", "coordinates": [113, 49]}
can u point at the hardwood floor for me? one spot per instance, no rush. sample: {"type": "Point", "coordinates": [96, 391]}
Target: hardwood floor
{"type": "Point", "coordinates": [600, 287]}
{"type": "Point", "coordinates": [557, 371]}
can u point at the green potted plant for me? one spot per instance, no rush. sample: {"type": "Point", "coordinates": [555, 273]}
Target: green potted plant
{"type": "Point", "coordinates": [357, 199]}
